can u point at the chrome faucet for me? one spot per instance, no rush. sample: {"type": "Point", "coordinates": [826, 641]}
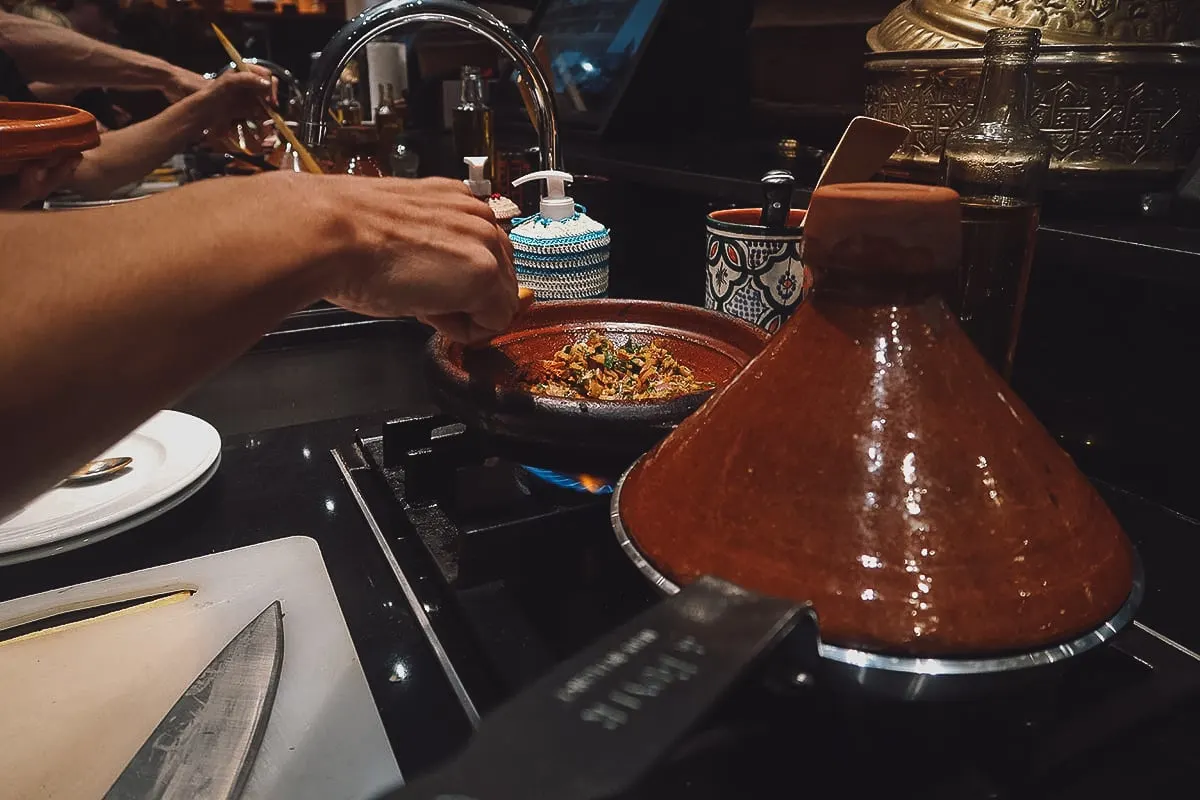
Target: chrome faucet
{"type": "Point", "coordinates": [392, 14]}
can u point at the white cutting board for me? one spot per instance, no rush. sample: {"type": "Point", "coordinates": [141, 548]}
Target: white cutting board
{"type": "Point", "coordinates": [76, 703]}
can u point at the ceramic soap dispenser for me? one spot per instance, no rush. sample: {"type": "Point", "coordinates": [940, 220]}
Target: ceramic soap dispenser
{"type": "Point", "coordinates": [505, 210]}
{"type": "Point", "coordinates": [560, 253]}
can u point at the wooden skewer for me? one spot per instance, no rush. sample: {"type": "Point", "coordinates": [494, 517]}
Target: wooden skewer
{"type": "Point", "coordinates": [525, 299]}
{"type": "Point", "coordinates": [310, 164]}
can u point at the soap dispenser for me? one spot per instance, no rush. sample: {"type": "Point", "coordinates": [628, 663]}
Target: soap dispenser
{"type": "Point", "coordinates": [560, 253]}
{"type": "Point", "coordinates": [503, 208]}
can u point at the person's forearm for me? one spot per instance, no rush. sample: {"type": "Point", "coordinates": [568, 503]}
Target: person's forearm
{"type": "Point", "coordinates": [45, 52]}
{"type": "Point", "coordinates": [53, 92]}
{"type": "Point", "coordinates": [115, 312]}
{"type": "Point", "coordinates": [129, 154]}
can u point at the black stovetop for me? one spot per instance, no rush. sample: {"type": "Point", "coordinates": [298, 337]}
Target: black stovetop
{"type": "Point", "coordinates": [509, 574]}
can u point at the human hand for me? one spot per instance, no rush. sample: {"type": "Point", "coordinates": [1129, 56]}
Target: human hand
{"type": "Point", "coordinates": [122, 117]}
{"type": "Point", "coordinates": [422, 248]}
{"type": "Point", "coordinates": [179, 83]}
{"type": "Point", "coordinates": [36, 180]}
{"type": "Point", "coordinates": [233, 96]}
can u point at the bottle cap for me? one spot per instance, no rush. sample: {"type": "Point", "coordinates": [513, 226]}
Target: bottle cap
{"type": "Point", "coordinates": [476, 182]}
{"type": "Point", "coordinates": [556, 204]}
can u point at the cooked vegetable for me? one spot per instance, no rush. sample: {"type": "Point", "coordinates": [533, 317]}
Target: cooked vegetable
{"type": "Point", "coordinates": [597, 369]}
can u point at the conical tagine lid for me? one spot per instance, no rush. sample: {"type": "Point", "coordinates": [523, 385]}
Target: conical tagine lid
{"type": "Point", "coordinates": [870, 461]}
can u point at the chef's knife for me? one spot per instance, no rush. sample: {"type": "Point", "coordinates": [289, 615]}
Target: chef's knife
{"type": "Point", "coordinates": [596, 724]}
{"type": "Point", "coordinates": [204, 747]}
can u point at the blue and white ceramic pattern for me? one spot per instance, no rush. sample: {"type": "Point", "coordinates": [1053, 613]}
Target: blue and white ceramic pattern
{"type": "Point", "coordinates": [752, 272]}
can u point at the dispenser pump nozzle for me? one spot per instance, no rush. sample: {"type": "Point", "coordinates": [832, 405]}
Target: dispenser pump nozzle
{"type": "Point", "coordinates": [476, 182]}
{"type": "Point", "coordinates": [556, 204]}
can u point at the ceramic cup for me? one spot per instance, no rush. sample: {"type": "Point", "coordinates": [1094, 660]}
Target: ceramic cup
{"type": "Point", "coordinates": [754, 272]}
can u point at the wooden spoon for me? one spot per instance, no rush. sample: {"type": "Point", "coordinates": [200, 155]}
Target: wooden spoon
{"type": "Point", "coordinates": [863, 149]}
{"type": "Point", "coordinates": [310, 164]}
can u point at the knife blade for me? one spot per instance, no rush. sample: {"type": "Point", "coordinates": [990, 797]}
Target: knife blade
{"type": "Point", "coordinates": [205, 746]}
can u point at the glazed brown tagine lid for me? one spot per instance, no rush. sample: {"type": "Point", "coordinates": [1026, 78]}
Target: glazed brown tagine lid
{"type": "Point", "coordinates": [40, 131]}
{"type": "Point", "coordinates": [870, 461]}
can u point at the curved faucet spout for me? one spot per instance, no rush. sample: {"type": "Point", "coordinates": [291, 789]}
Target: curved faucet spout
{"type": "Point", "coordinates": [393, 14]}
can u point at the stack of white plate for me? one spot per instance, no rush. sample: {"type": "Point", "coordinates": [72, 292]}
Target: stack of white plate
{"type": "Point", "coordinates": [173, 454]}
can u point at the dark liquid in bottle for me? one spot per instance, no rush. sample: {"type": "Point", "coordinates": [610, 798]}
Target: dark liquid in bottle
{"type": "Point", "coordinates": [473, 135]}
{"type": "Point", "coordinates": [998, 236]}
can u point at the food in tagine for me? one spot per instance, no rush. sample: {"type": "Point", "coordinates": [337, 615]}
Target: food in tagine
{"type": "Point", "coordinates": [596, 368]}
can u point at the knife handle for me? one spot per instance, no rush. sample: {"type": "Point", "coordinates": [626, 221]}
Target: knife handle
{"type": "Point", "coordinates": [597, 723]}
{"type": "Point", "coordinates": [777, 198]}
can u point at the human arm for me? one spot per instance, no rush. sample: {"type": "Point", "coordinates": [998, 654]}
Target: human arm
{"type": "Point", "coordinates": [53, 92]}
{"type": "Point", "coordinates": [123, 309]}
{"type": "Point", "coordinates": [50, 54]}
{"type": "Point", "coordinates": [130, 153]}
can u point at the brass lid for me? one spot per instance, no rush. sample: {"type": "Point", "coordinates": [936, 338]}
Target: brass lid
{"type": "Point", "coordinates": [938, 24]}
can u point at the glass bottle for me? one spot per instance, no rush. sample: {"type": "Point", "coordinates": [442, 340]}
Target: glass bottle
{"type": "Point", "coordinates": [349, 110]}
{"type": "Point", "coordinates": [473, 121]}
{"type": "Point", "coordinates": [400, 107]}
{"type": "Point", "coordinates": [998, 164]}
{"type": "Point", "coordinates": [387, 123]}
{"type": "Point", "coordinates": [355, 152]}
{"type": "Point", "coordinates": [404, 160]}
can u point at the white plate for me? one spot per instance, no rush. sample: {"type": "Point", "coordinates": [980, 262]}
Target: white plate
{"type": "Point", "coordinates": [99, 535]}
{"type": "Point", "coordinates": [170, 452]}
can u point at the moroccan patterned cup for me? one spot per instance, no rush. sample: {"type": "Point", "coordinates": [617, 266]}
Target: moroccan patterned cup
{"type": "Point", "coordinates": [754, 272]}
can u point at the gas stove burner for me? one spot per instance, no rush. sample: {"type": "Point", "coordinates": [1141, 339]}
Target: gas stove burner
{"type": "Point", "coordinates": [585, 484]}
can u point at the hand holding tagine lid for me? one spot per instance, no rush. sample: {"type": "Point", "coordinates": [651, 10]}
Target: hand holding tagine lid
{"type": "Point", "coordinates": [870, 461]}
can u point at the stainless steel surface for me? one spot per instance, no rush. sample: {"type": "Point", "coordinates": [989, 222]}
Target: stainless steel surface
{"type": "Point", "coordinates": [929, 24]}
{"type": "Point", "coordinates": [1125, 117]}
{"type": "Point", "coordinates": [205, 746]}
{"type": "Point", "coordinates": [418, 610]}
{"type": "Point", "coordinates": [72, 202]}
{"type": "Point", "coordinates": [100, 468]}
{"type": "Point", "coordinates": [393, 14]}
{"type": "Point", "coordinates": [904, 676]}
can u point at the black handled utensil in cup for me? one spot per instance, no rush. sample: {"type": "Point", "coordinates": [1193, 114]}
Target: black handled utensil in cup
{"type": "Point", "coordinates": [777, 198]}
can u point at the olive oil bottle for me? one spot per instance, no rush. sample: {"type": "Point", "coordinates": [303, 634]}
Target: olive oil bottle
{"type": "Point", "coordinates": [472, 121]}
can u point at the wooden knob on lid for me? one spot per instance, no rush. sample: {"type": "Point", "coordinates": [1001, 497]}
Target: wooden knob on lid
{"type": "Point", "coordinates": [865, 229]}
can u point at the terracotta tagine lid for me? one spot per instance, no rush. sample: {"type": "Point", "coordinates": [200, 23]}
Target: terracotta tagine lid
{"type": "Point", "coordinates": [870, 461]}
{"type": "Point", "coordinates": [38, 131]}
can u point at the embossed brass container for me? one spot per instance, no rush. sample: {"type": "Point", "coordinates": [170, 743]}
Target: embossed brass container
{"type": "Point", "coordinates": [1123, 117]}
{"type": "Point", "coordinates": [936, 24]}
